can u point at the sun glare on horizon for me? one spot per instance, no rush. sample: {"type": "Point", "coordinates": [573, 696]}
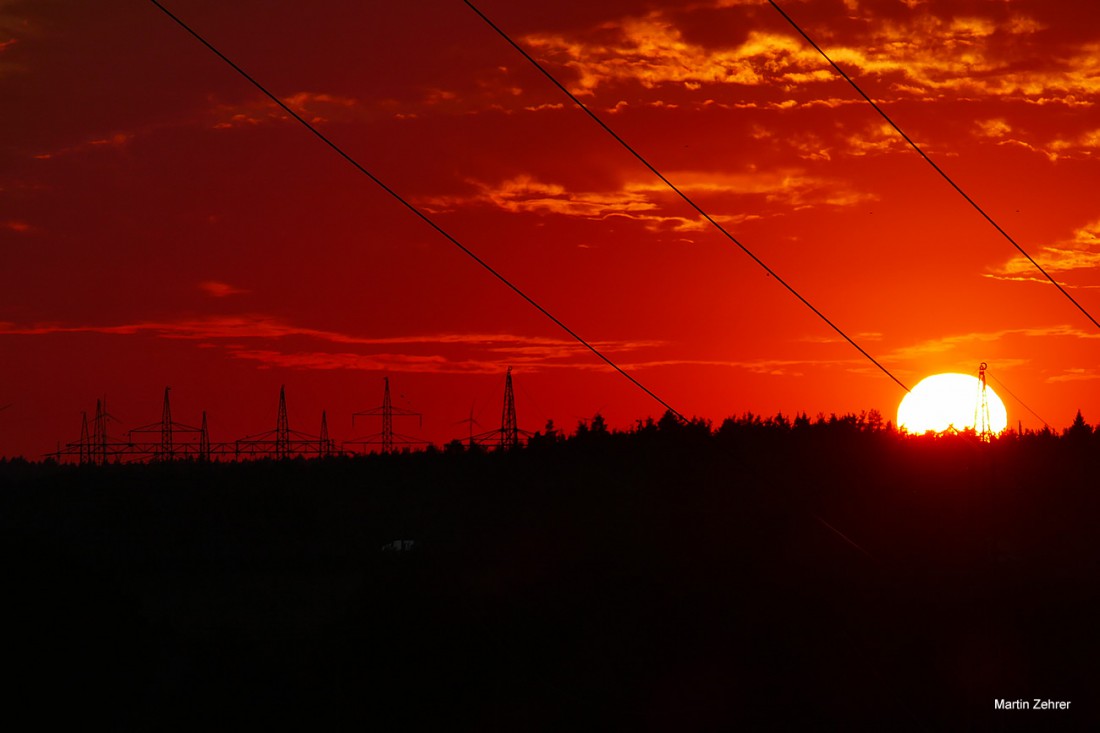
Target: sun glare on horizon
{"type": "Point", "coordinates": [945, 401]}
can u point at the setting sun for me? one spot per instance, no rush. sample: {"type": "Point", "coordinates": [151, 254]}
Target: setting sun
{"type": "Point", "coordinates": [945, 401]}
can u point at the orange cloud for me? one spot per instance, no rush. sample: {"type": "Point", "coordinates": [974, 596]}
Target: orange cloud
{"type": "Point", "coordinates": [997, 129]}
{"type": "Point", "coordinates": [526, 195]}
{"type": "Point", "coordinates": [648, 201]}
{"type": "Point", "coordinates": [315, 107]}
{"type": "Point", "coordinates": [437, 364]}
{"type": "Point", "coordinates": [1080, 146]}
{"type": "Point", "coordinates": [917, 55]}
{"type": "Point", "coordinates": [949, 343]}
{"type": "Point", "coordinates": [651, 51]}
{"type": "Point", "coordinates": [1075, 375]}
{"type": "Point", "coordinates": [1080, 254]}
{"type": "Point", "coordinates": [450, 352]}
{"type": "Point", "coordinates": [781, 187]}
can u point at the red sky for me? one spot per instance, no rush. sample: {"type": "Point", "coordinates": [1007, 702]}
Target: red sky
{"type": "Point", "coordinates": [162, 224]}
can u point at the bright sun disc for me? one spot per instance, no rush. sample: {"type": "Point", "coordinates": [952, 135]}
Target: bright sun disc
{"type": "Point", "coordinates": [945, 401]}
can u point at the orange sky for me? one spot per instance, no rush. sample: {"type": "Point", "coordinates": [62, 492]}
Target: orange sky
{"type": "Point", "coordinates": [162, 224]}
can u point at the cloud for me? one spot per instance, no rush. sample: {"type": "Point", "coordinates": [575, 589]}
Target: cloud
{"type": "Point", "coordinates": [526, 195]}
{"type": "Point", "coordinates": [314, 107]}
{"type": "Point", "coordinates": [276, 343]}
{"type": "Point", "coordinates": [261, 340]}
{"type": "Point", "coordinates": [1075, 375]}
{"type": "Point", "coordinates": [767, 367]}
{"type": "Point", "coordinates": [996, 129]}
{"type": "Point", "coordinates": [1081, 253]}
{"type": "Point", "coordinates": [263, 327]}
{"type": "Point", "coordinates": [651, 51]}
{"type": "Point", "coordinates": [328, 361]}
{"type": "Point", "coordinates": [946, 344]}
{"type": "Point", "coordinates": [650, 201]}
{"type": "Point", "coordinates": [787, 187]}
{"type": "Point", "coordinates": [872, 139]}
{"type": "Point", "coordinates": [116, 140]}
{"type": "Point", "coordinates": [438, 364]}
{"type": "Point", "coordinates": [833, 339]}
{"type": "Point", "coordinates": [914, 54]}
{"type": "Point", "coordinates": [1079, 146]}
{"type": "Point", "coordinates": [216, 289]}
{"type": "Point", "coordinates": [17, 226]}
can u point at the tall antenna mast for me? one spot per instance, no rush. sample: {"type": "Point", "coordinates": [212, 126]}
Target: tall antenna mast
{"type": "Point", "coordinates": [981, 410]}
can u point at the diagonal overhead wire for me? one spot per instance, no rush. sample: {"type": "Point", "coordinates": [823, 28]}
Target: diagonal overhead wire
{"type": "Point", "coordinates": [679, 192]}
{"type": "Point", "coordinates": [1013, 396]}
{"type": "Point", "coordinates": [932, 163]}
{"type": "Point", "coordinates": [420, 214]}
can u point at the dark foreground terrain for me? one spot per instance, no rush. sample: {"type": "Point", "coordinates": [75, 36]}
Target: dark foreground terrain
{"type": "Point", "coordinates": [828, 576]}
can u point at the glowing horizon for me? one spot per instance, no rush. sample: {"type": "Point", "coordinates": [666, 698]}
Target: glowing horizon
{"type": "Point", "coordinates": [165, 224]}
{"type": "Point", "coordinates": [949, 401]}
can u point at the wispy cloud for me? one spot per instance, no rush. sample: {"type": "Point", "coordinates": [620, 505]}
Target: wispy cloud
{"type": "Point", "coordinates": [915, 54]}
{"type": "Point", "coordinates": [1075, 375]}
{"type": "Point", "coordinates": [269, 327]}
{"type": "Point", "coordinates": [18, 226]}
{"type": "Point", "coordinates": [218, 289]}
{"type": "Point", "coordinates": [1078, 254]}
{"type": "Point", "coordinates": [113, 141]}
{"type": "Point", "coordinates": [651, 51]}
{"type": "Point", "coordinates": [949, 343]}
{"type": "Point", "coordinates": [440, 364]}
{"type": "Point", "coordinates": [274, 342]}
{"type": "Point", "coordinates": [527, 195]}
{"type": "Point", "coordinates": [653, 204]}
{"type": "Point", "coordinates": [389, 362]}
{"type": "Point", "coordinates": [315, 107]}
{"type": "Point", "coordinates": [783, 187]}
{"type": "Point", "coordinates": [769, 367]}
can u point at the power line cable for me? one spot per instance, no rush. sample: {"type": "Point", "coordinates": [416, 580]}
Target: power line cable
{"type": "Point", "coordinates": [687, 199]}
{"type": "Point", "coordinates": [711, 220]}
{"type": "Point", "coordinates": [481, 262]}
{"type": "Point", "coordinates": [1010, 394]}
{"type": "Point", "coordinates": [932, 163]}
{"type": "Point", "coordinates": [423, 217]}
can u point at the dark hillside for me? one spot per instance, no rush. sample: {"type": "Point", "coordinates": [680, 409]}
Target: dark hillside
{"type": "Point", "coordinates": [765, 574]}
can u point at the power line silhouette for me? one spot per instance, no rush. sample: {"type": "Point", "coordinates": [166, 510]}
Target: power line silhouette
{"type": "Point", "coordinates": [1013, 396]}
{"type": "Point", "coordinates": [420, 214]}
{"type": "Point", "coordinates": [932, 163]}
{"type": "Point", "coordinates": [679, 192]}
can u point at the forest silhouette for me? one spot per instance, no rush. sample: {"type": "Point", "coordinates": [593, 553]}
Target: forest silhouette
{"type": "Point", "coordinates": [766, 573]}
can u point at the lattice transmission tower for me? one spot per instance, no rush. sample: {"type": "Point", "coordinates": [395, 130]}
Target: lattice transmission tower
{"type": "Point", "coordinates": [177, 440]}
{"type": "Point", "coordinates": [509, 434]}
{"type": "Point", "coordinates": [981, 408]}
{"type": "Point", "coordinates": [387, 412]}
{"type": "Point", "coordinates": [282, 442]}
{"type": "Point", "coordinates": [509, 429]}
